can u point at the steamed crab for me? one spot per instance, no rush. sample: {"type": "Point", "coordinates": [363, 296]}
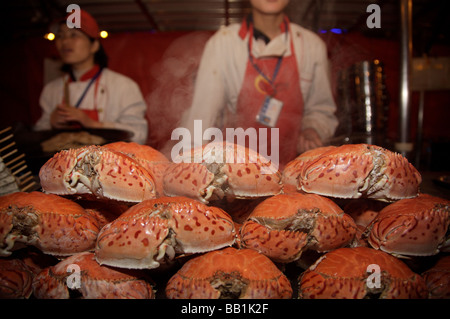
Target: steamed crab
{"type": "Point", "coordinates": [54, 225]}
{"type": "Point", "coordinates": [17, 272]}
{"type": "Point", "coordinates": [15, 279]}
{"type": "Point", "coordinates": [222, 170]}
{"type": "Point", "coordinates": [98, 171]}
{"type": "Point", "coordinates": [153, 231]}
{"type": "Point", "coordinates": [358, 273]}
{"type": "Point", "coordinates": [363, 211]}
{"type": "Point", "coordinates": [437, 279]}
{"type": "Point", "coordinates": [82, 276]}
{"type": "Point", "coordinates": [285, 225]}
{"type": "Point", "coordinates": [412, 227]}
{"type": "Point", "coordinates": [152, 160]}
{"type": "Point", "coordinates": [104, 211]}
{"type": "Point", "coordinates": [353, 171]}
{"type": "Point", "coordinates": [229, 274]}
{"type": "Point", "coordinates": [291, 171]}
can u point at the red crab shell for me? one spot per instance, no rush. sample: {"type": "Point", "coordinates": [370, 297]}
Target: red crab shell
{"type": "Point", "coordinates": [293, 168]}
{"type": "Point", "coordinates": [154, 161]}
{"type": "Point", "coordinates": [105, 211]}
{"type": "Point", "coordinates": [99, 171]}
{"type": "Point", "coordinates": [238, 209]}
{"type": "Point", "coordinates": [219, 170]}
{"type": "Point", "coordinates": [344, 273]}
{"type": "Point", "coordinates": [155, 230]}
{"type": "Point", "coordinates": [412, 227]}
{"type": "Point", "coordinates": [354, 171]}
{"type": "Point", "coordinates": [18, 270]}
{"type": "Point", "coordinates": [363, 211]}
{"type": "Point", "coordinates": [138, 151]}
{"type": "Point", "coordinates": [285, 225]}
{"type": "Point", "coordinates": [35, 259]}
{"type": "Point", "coordinates": [437, 279]}
{"type": "Point", "coordinates": [95, 281]}
{"type": "Point", "coordinates": [229, 274]}
{"type": "Point", "coordinates": [15, 279]}
{"type": "Point", "coordinates": [54, 225]}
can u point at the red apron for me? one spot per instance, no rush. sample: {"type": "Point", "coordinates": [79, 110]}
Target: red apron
{"type": "Point", "coordinates": [285, 88]}
{"type": "Point", "coordinates": [93, 74]}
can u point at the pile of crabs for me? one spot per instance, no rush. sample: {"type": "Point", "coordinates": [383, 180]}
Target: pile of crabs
{"type": "Point", "coordinates": [220, 221]}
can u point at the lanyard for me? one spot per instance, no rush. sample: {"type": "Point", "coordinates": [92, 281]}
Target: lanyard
{"type": "Point", "coordinates": [275, 72]}
{"type": "Point", "coordinates": [87, 88]}
{"type": "Point", "coordinates": [250, 57]}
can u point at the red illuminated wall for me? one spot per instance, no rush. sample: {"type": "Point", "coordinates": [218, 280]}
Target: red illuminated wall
{"type": "Point", "coordinates": [164, 65]}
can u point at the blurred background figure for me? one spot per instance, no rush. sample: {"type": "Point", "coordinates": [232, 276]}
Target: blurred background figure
{"type": "Point", "coordinates": [266, 72]}
{"type": "Point", "coordinates": [89, 95]}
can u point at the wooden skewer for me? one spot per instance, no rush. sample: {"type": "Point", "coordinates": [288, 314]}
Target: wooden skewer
{"type": "Point", "coordinates": [6, 138]}
{"type": "Point", "coordinates": [17, 165]}
{"type": "Point", "coordinates": [25, 175]}
{"type": "Point", "coordinates": [27, 180]}
{"type": "Point", "coordinates": [5, 130]}
{"type": "Point", "coordinates": [66, 93]}
{"type": "Point", "coordinates": [27, 187]}
{"type": "Point", "coordinates": [19, 170]}
{"type": "Point", "coordinates": [7, 146]}
{"type": "Point", "coordinates": [9, 154]}
{"type": "Point", "coordinates": [15, 159]}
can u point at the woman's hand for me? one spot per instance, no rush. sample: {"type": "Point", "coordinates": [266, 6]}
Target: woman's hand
{"type": "Point", "coordinates": [308, 139]}
{"type": "Point", "coordinates": [64, 116]}
{"type": "Point", "coordinates": [58, 118]}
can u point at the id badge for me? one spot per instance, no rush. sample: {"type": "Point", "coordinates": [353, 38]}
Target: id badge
{"type": "Point", "coordinates": [270, 111]}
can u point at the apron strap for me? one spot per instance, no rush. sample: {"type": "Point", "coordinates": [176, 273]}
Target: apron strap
{"type": "Point", "coordinates": [255, 66]}
{"type": "Point", "coordinates": [87, 88]}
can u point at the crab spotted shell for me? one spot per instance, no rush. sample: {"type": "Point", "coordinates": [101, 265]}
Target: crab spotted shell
{"type": "Point", "coordinates": [292, 169]}
{"type": "Point", "coordinates": [15, 279]}
{"type": "Point", "coordinates": [54, 225]}
{"type": "Point", "coordinates": [153, 231]}
{"type": "Point", "coordinates": [364, 210]}
{"type": "Point", "coordinates": [354, 171]}
{"type": "Point", "coordinates": [138, 151]}
{"type": "Point", "coordinates": [285, 225]}
{"type": "Point", "coordinates": [94, 282]}
{"type": "Point", "coordinates": [361, 272]}
{"type": "Point", "coordinates": [438, 279]}
{"type": "Point", "coordinates": [412, 227]}
{"type": "Point", "coordinates": [96, 170]}
{"type": "Point", "coordinates": [229, 274]}
{"type": "Point", "coordinates": [222, 170]}
{"type": "Point", "coordinates": [151, 159]}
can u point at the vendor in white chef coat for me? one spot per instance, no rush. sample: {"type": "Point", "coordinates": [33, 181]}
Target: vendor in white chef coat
{"type": "Point", "coordinates": [90, 95]}
{"type": "Point", "coordinates": [266, 60]}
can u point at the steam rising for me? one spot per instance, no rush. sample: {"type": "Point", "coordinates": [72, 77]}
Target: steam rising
{"type": "Point", "coordinates": [174, 76]}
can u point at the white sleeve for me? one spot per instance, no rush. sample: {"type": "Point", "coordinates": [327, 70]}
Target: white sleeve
{"type": "Point", "coordinates": [132, 111]}
{"type": "Point", "coordinates": [319, 104]}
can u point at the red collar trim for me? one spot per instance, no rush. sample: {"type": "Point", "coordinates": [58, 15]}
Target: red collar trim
{"type": "Point", "coordinates": [90, 74]}
{"type": "Point", "coordinates": [246, 26]}
{"type": "Point", "coordinates": [87, 75]}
